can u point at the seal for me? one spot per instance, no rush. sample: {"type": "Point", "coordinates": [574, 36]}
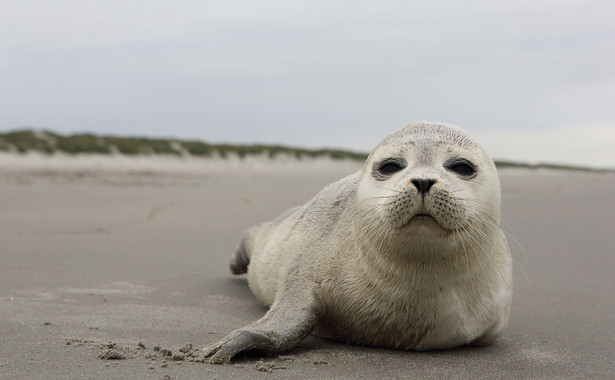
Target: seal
{"type": "Point", "coordinates": [406, 253]}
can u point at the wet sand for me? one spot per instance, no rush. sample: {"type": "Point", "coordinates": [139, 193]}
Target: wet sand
{"type": "Point", "coordinates": [111, 270]}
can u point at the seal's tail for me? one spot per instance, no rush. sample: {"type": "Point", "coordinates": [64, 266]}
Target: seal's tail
{"type": "Point", "coordinates": [240, 261]}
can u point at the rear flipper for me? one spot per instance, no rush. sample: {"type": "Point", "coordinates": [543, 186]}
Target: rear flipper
{"type": "Point", "coordinates": [240, 261]}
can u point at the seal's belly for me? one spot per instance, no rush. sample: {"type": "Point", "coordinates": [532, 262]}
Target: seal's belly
{"type": "Point", "coordinates": [419, 322]}
{"type": "Point", "coordinates": [363, 330]}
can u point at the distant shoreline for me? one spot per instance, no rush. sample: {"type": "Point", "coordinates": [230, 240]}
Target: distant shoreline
{"type": "Point", "coordinates": [24, 142]}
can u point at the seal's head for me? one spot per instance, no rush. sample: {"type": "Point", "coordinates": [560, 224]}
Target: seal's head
{"type": "Point", "coordinates": [426, 184]}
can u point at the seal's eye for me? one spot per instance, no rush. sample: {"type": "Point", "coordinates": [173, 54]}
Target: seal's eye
{"type": "Point", "coordinates": [390, 167]}
{"type": "Point", "coordinates": [461, 166]}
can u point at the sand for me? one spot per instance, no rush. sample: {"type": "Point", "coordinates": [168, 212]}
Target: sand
{"type": "Point", "coordinates": [118, 268]}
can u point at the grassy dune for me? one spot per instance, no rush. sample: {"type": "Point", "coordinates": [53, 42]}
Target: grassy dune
{"type": "Point", "coordinates": [23, 141]}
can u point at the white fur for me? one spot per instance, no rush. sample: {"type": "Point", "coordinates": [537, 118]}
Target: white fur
{"type": "Point", "coordinates": [381, 278]}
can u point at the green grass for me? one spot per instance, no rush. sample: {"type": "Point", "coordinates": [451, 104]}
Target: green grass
{"type": "Point", "coordinates": [85, 143]}
{"type": "Point", "coordinates": [197, 148]}
{"type": "Point", "coordinates": [24, 141]}
{"type": "Point", "coordinates": [136, 146]}
{"type": "Point", "coordinates": [27, 140]}
{"type": "Point", "coordinates": [47, 142]}
{"type": "Point", "coordinates": [509, 164]}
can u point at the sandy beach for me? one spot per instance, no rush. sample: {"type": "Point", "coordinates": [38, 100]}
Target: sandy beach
{"type": "Point", "coordinates": [112, 267]}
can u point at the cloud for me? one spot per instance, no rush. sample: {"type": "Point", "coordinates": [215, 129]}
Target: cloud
{"type": "Point", "coordinates": [308, 73]}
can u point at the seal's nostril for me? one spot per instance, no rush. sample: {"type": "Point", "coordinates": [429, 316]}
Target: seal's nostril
{"type": "Point", "coordinates": [423, 185]}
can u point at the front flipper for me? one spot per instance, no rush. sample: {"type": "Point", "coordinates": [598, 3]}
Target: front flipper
{"type": "Point", "coordinates": [291, 318]}
{"type": "Point", "coordinates": [241, 340]}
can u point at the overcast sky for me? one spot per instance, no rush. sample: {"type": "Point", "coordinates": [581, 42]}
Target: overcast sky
{"type": "Point", "coordinates": [531, 80]}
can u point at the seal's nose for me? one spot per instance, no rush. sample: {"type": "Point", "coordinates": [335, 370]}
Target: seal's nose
{"type": "Point", "coordinates": [423, 184]}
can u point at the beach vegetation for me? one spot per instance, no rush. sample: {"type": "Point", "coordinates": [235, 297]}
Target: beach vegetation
{"type": "Point", "coordinates": [47, 142]}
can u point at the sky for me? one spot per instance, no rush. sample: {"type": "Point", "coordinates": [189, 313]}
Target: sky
{"type": "Point", "coordinates": [531, 80]}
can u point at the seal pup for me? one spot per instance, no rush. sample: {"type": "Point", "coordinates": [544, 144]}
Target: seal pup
{"type": "Point", "coordinates": [406, 254]}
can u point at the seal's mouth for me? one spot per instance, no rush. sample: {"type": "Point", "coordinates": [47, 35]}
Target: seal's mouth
{"type": "Point", "coordinates": [422, 217]}
{"type": "Point", "coordinates": [425, 220]}
{"type": "Point", "coordinates": [421, 223]}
